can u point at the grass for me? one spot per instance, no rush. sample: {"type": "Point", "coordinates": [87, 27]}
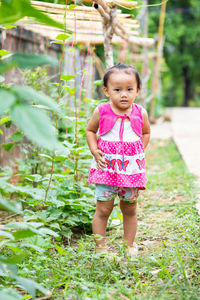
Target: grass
{"type": "Point", "coordinates": [168, 263]}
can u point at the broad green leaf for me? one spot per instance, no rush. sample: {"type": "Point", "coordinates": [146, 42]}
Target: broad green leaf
{"type": "Point", "coordinates": [25, 60]}
{"type": "Point", "coordinates": [63, 36]}
{"type": "Point", "coordinates": [67, 77]}
{"type": "Point", "coordinates": [8, 147]}
{"type": "Point", "coordinates": [13, 10]}
{"type": "Point", "coordinates": [56, 202]}
{"type": "Point", "coordinates": [24, 233]}
{"type": "Point", "coordinates": [4, 120]}
{"type": "Point", "coordinates": [41, 107]}
{"type": "Point", "coordinates": [35, 224]}
{"type": "Point", "coordinates": [24, 230]}
{"type": "Point", "coordinates": [10, 206]}
{"type": "Point", "coordinates": [27, 245]}
{"type": "Point", "coordinates": [44, 242]}
{"type": "Point", "coordinates": [46, 156]}
{"type": "Point", "coordinates": [35, 124]}
{"type": "Point", "coordinates": [98, 82]}
{"type": "Point", "coordinates": [10, 26]}
{"type": "Point", "coordinates": [60, 250]}
{"type": "Point", "coordinates": [15, 259]}
{"type": "Point", "coordinates": [31, 286]}
{"type": "Point", "coordinates": [45, 231]}
{"type": "Point", "coordinates": [62, 155]}
{"type": "Point", "coordinates": [55, 225]}
{"type": "Point", "coordinates": [72, 6]}
{"type": "Point", "coordinates": [8, 268]}
{"type": "Point", "coordinates": [34, 177]}
{"type": "Point", "coordinates": [31, 60]}
{"type": "Point", "coordinates": [70, 90]}
{"type": "Point", "coordinates": [10, 294]}
{"type": "Point", "coordinates": [70, 164]}
{"type": "Point", "coordinates": [15, 249]}
{"type": "Point", "coordinates": [4, 52]}
{"type": "Point", "coordinates": [5, 66]}
{"type": "Point", "coordinates": [6, 234]}
{"type": "Point", "coordinates": [35, 193]}
{"type": "Point", "coordinates": [17, 136]}
{"type": "Point", "coordinates": [29, 94]}
{"type": "Point", "coordinates": [10, 12]}
{"type": "Point", "coordinates": [7, 99]}
{"type": "Point", "coordinates": [24, 225]}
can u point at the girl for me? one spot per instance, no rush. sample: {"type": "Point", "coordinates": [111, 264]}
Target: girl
{"type": "Point", "coordinates": [118, 166]}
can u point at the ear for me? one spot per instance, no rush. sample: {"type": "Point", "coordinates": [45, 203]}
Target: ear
{"type": "Point", "coordinates": [105, 90]}
{"type": "Point", "coordinates": [138, 90]}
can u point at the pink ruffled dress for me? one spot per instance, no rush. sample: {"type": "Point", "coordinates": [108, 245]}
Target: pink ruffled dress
{"type": "Point", "coordinates": [120, 138]}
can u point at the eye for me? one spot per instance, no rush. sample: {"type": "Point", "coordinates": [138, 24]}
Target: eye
{"type": "Point", "coordinates": [116, 90]}
{"type": "Point", "coordinates": [130, 89]}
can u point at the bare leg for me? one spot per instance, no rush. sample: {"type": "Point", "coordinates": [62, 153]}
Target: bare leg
{"type": "Point", "coordinates": [99, 224]}
{"type": "Point", "coordinates": [129, 220]}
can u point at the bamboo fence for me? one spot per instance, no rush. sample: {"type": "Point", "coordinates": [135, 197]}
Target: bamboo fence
{"type": "Point", "coordinates": [86, 22]}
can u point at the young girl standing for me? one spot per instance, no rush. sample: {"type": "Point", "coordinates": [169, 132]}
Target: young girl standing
{"type": "Point", "coordinates": [118, 166]}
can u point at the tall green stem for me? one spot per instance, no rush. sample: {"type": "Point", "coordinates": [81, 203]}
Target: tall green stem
{"type": "Point", "coordinates": [58, 101]}
{"type": "Point", "coordinates": [76, 110]}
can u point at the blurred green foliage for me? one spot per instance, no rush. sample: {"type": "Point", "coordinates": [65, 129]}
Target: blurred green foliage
{"type": "Point", "coordinates": [181, 73]}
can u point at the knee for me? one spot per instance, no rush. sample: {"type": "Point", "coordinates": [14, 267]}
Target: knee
{"type": "Point", "coordinates": [104, 212]}
{"type": "Point", "coordinates": [129, 209]}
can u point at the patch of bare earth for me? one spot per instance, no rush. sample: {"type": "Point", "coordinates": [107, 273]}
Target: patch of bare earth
{"type": "Point", "coordinates": [7, 218]}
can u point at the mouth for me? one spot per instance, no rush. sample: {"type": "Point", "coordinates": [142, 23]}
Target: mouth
{"type": "Point", "coordinates": [124, 101]}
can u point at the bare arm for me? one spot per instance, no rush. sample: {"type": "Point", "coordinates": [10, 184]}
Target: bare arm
{"type": "Point", "coordinates": [146, 128]}
{"type": "Point", "coordinates": [91, 131]}
{"type": "Point", "coordinates": [91, 136]}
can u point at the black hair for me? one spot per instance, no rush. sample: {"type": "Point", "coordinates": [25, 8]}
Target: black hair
{"type": "Point", "coordinates": [124, 67]}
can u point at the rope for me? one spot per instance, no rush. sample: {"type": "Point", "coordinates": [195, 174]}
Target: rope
{"type": "Point", "coordinates": [140, 6]}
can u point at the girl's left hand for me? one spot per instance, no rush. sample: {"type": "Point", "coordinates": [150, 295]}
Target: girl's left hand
{"type": "Point", "coordinates": [98, 154]}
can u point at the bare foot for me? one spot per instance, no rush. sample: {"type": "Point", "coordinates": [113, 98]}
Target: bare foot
{"type": "Point", "coordinates": [132, 250]}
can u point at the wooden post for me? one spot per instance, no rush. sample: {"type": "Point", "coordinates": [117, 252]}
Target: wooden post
{"type": "Point", "coordinates": [109, 22]}
{"type": "Point", "coordinates": [108, 51]}
{"type": "Point", "coordinates": [157, 62]}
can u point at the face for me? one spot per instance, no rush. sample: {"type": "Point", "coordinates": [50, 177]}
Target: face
{"type": "Point", "coordinates": [122, 90]}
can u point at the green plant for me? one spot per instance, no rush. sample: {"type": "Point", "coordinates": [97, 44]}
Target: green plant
{"type": "Point", "coordinates": [21, 106]}
{"type": "Point", "coordinates": [167, 266]}
{"type": "Point", "coordinates": [14, 245]}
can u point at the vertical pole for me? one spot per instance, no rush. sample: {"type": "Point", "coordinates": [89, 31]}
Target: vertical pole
{"type": "Point", "coordinates": [158, 59]}
{"type": "Point", "coordinates": [145, 67]}
{"type": "Point", "coordinates": [108, 34]}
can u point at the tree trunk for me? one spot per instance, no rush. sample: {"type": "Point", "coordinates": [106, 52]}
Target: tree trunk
{"type": "Point", "coordinates": [108, 30]}
{"type": "Point", "coordinates": [187, 87]}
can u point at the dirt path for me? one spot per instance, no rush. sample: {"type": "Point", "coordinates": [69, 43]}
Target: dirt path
{"type": "Point", "coordinates": [184, 129]}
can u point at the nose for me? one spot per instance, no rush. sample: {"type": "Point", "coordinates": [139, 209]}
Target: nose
{"type": "Point", "coordinates": [123, 94]}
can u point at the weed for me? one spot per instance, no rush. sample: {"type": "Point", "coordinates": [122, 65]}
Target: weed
{"type": "Point", "coordinates": [168, 263]}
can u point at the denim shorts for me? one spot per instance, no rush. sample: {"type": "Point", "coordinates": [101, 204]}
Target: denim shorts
{"type": "Point", "coordinates": [106, 192]}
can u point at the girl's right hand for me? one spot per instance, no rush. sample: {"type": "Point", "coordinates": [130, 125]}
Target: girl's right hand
{"type": "Point", "coordinates": [98, 155]}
